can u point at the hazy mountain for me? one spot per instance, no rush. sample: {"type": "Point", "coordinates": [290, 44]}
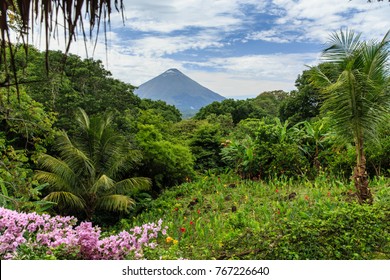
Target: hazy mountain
{"type": "Point", "coordinates": [177, 89]}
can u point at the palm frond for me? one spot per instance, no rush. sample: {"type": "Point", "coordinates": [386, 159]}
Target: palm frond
{"type": "Point", "coordinates": [82, 119]}
{"type": "Point", "coordinates": [115, 203]}
{"type": "Point", "coordinates": [358, 101]}
{"type": "Point", "coordinates": [76, 158]}
{"type": "Point", "coordinates": [58, 168]}
{"type": "Point", "coordinates": [341, 46]}
{"type": "Point", "coordinates": [131, 185]}
{"type": "Point", "coordinates": [55, 181]}
{"type": "Point", "coordinates": [103, 183]}
{"type": "Point", "coordinates": [66, 200]}
{"type": "Point", "coordinates": [375, 56]}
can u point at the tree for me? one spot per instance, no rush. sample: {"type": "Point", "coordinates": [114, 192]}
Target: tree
{"type": "Point", "coordinates": [88, 174]}
{"type": "Point", "coordinates": [359, 100]}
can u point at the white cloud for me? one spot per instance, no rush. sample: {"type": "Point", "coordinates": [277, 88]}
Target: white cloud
{"type": "Point", "coordinates": [157, 46]}
{"type": "Point", "coordinates": [170, 15]}
{"type": "Point", "coordinates": [160, 27]}
{"type": "Point", "coordinates": [276, 67]}
{"type": "Point", "coordinates": [313, 20]}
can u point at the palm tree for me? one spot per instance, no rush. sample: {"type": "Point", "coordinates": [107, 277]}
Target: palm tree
{"type": "Point", "coordinates": [88, 174]}
{"type": "Point", "coordinates": [359, 99]}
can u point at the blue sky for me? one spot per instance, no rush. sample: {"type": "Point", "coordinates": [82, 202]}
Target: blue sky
{"type": "Point", "coordinates": [235, 48]}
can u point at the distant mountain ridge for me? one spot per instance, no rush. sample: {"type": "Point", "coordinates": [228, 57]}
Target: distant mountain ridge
{"type": "Point", "coordinates": [179, 90]}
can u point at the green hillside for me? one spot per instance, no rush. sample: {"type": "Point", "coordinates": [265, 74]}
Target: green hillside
{"type": "Point", "coordinates": [223, 217]}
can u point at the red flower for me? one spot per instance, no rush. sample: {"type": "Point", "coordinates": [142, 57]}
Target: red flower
{"type": "Point", "coordinates": [191, 223]}
{"type": "Point", "coordinates": [176, 209]}
{"type": "Point", "coordinates": [328, 193]}
{"type": "Point", "coordinates": [277, 190]}
{"type": "Point", "coordinates": [278, 212]}
{"type": "Point", "coordinates": [306, 197]}
{"type": "Point", "coordinates": [198, 211]}
{"type": "Point", "coordinates": [182, 229]}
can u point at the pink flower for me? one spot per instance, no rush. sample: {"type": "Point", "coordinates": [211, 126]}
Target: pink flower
{"type": "Point", "coordinates": [83, 241]}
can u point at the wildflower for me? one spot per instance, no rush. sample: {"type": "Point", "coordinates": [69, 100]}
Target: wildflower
{"type": "Point", "coordinates": [277, 191]}
{"type": "Point", "coordinates": [175, 242]}
{"type": "Point", "coordinates": [328, 194]}
{"type": "Point", "coordinates": [169, 239]}
{"type": "Point", "coordinates": [182, 229]}
{"type": "Point", "coordinates": [176, 209]}
{"type": "Point", "coordinates": [198, 211]}
{"type": "Point", "coordinates": [191, 223]}
{"type": "Point", "coordinates": [307, 197]}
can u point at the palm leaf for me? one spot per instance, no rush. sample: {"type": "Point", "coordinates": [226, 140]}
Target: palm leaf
{"type": "Point", "coordinates": [76, 158]}
{"type": "Point", "coordinates": [82, 119]}
{"type": "Point", "coordinates": [104, 183]}
{"type": "Point", "coordinates": [358, 101]}
{"type": "Point", "coordinates": [131, 185]}
{"type": "Point", "coordinates": [342, 46]}
{"type": "Point", "coordinates": [55, 181]}
{"type": "Point", "coordinates": [66, 200]}
{"type": "Point", "coordinates": [62, 173]}
{"type": "Point", "coordinates": [115, 203]}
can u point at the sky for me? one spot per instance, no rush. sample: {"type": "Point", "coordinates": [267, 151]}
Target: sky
{"type": "Point", "coordinates": [237, 48]}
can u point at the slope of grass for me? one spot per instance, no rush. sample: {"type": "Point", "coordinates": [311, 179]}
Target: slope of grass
{"type": "Point", "coordinates": [227, 218]}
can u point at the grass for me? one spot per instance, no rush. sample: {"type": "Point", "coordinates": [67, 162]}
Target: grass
{"type": "Point", "coordinates": [223, 217]}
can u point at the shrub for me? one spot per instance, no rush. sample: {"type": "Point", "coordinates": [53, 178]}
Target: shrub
{"type": "Point", "coordinates": [349, 232]}
{"type": "Point", "coordinates": [33, 236]}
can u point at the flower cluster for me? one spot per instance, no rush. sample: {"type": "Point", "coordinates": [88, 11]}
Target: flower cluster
{"type": "Point", "coordinates": [84, 240]}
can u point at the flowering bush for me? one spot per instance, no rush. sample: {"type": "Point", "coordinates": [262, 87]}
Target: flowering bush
{"type": "Point", "coordinates": [59, 237]}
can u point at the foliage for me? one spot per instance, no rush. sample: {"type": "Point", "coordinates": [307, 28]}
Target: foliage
{"type": "Point", "coordinates": [265, 104]}
{"type": "Point", "coordinates": [205, 145]}
{"type": "Point", "coordinates": [241, 155]}
{"type": "Point", "coordinates": [21, 15]}
{"type": "Point", "coordinates": [348, 232]}
{"type": "Point", "coordinates": [26, 131]}
{"type": "Point", "coordinates": [25, 123]}
{"type": "Point", "coordinates": [33, 236]}
{"type": "Point", "coordinates": [223, 217]}
{"type": "Point", "coordinates": [267, 148]}
{"type": "Point", "coordinates": [304, 103]}
{"type": "Point", "coordinates": [378, 153]}
{"type": "Point", "coordinates": [359, 100]}
{"type": "Point", "coordinates": [166, 162]}
{"type": "Point", "coordinates": [73, 82]}
{"type": "Point", "coordinates": [17, 189]}
{"type": "Point", "coordinates": [89, 172]}
{"type": "Point", "coordinates": [169, 112]}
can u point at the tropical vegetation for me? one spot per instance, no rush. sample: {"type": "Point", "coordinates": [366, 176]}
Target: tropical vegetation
{"type": "Point", "coordinates": [286, 175]}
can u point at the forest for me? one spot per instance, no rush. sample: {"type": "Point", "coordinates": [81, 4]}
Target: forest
{"type": "Point", "coordinates": [88, 170]}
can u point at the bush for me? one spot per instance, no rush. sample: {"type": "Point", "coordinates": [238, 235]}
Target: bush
{"type": "Point", "coordinates": [33, 236]}
{"type": "Point", "coordinates": [349, 232]}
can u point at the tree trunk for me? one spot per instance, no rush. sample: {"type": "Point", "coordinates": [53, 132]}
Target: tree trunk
{"type": "Point", "coordinates": [360, 175]}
